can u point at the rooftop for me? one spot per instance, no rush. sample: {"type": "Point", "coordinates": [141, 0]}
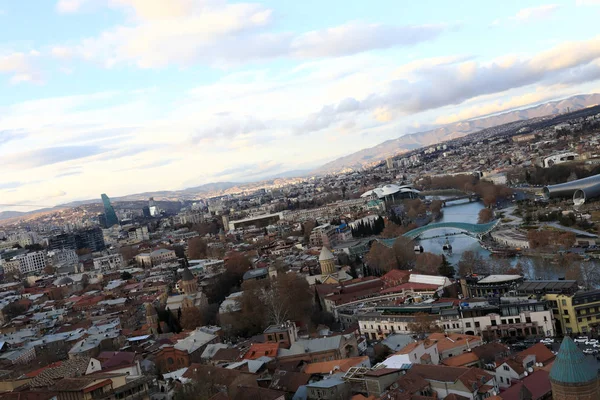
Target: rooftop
{"type": "Point", "coordinates": [571, 366]}
{"type": "Point", "coordinates": [499, 278]}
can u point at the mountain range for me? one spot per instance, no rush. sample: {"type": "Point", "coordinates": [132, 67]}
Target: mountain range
{"type": "Point", "coordinates": [359, 159]}
{"type": "Point", "coordinates": [413, 141]}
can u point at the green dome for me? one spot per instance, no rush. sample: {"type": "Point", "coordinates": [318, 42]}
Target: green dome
{"type": "Point", "coordinates": [571, 366]}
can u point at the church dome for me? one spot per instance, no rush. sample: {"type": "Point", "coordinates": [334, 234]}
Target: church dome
{"type": "Point", "coordinates": [326, 254]}
{"type": "Point", "coordinates": [187, 275]}
{"type": "Point", "coordinates": [571, 367]}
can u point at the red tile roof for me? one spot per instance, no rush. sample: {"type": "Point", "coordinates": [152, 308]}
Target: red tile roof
{"type": "Point", "coordinates": [326, 367]}
{"type": "Point", "coordinates": [396, 275]}
{"type": "Point", "coordinates": [258, 350]}
{"type": "Point", "coordinates": [410, 286]}
{"type": "Point", "coordinates": [542, 353]}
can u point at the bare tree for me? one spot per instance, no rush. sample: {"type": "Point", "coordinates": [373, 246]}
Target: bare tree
{"type": "Point", "coordinates": [277, 310]}
{"type": "Point", "coordinates": [590, 274]}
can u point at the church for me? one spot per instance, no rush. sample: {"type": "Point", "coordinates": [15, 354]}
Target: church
{"type": "Point", "coordinates": [191, 296]}
{"type": "Point", "coordinates": [329, 272]}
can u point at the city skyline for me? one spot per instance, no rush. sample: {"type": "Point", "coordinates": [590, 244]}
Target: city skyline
{"type": "Point", "coordinates": [129, 96]}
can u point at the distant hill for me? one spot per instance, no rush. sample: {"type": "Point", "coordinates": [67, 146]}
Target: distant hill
{"type": "Point", "coordinates": [10, 214]}
{"type": "Point", "coordinates": [212, 187]}
{"type": "Point", "coordinates": [413, 141]}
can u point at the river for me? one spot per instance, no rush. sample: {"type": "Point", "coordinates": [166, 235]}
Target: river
{"type": "Point", "coordinates": [463, 211]}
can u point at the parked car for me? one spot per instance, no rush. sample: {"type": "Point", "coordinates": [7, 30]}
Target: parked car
{"type": "Point", "coordinates": [590, 351]}
{"type": "Point", "coordinates": [547, 340]}
{"type": "Point", "coordinates": [581, 339]}
{"type": "Point", "coordinates": [591, 342]}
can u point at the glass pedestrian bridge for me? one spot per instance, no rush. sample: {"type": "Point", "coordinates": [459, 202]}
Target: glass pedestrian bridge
{"type": "Point", "coordinates": [473, 230]}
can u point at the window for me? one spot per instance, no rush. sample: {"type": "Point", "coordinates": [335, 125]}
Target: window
{"type": "Point", "coordinates": [565, 312]}
{"type": "Point", "coordinates": [281, 336]}
{"type": "Point", "coordinates": [468, 324]}
{"type": "Point", "coordinates": [510, 321]}
{"type": "Point", "coordinates": [563, 302]}
{"type": "Point", "coordinates": [517, 320]}
{"type": "Point", "coordinates": [270, 338]}
{"type": "Point", "coordinates": [589, 318]}
{"type": "Point", "coordinates": [545, 319]}
{"type": "Point", "coordinates": [170, 361]}
{"type": "Point", "coordinates": [505, 367]}
{"type": "Point", "coordinates": [502, 379]}
{"type": "Point", "coordinates": [477, 324]}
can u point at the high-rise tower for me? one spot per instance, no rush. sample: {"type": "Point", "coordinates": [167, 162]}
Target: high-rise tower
{"type": "Point", "coordinates": [109, 212]}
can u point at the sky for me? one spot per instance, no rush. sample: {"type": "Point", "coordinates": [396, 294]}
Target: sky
{"type": "Point", "coordinates": [128, 96]}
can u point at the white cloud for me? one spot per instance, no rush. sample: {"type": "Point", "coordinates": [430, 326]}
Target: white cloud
{"type": "Point", "coordinates": [69, 6]}
{"type": "Point", "coordinates": [20, 66]}
{"type": "Point", "coordinates": [356, 37]}
{"type": "Point", "coordinates": [218, 33]}
{"type": "Point", "coordinates": [61, 52]}
{"type": "Point", "coordinates": [529, 14]}
{"type": "Point", "coordinates": [535, 13]}
{"type": "Point", "coordinates": [158, 9]}
{"type": "Point", "coordinates": [442, 84]}
{"type": "Point", "coordinates": [588, 2]}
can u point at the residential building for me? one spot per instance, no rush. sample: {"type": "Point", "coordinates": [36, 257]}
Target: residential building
{"type": "Point", "coordinates": [333, 388]}
{"type": "Point", "coordinates": [422, 352]}
{"type": "Point", "coordinates": [63, 258]}
{"type": "Point", "coordinates": [109, 262]}
{"type": "Point", "coordinates": [321, 349]}
{"type": "Point", "coordinates": [32, 262]}
{"type": "Point", "coordinates": [577, 313]}
{"type": "Point", "coordinates": [470, 383]}
{"type": "Point", "coordinates": [514, 369]}
{"type": "Point", "coordinates": [323, 236]}
{"type": "Point", "coordinates": [285, 334]}
{"type": "Point", "coordinates": [91, 239]}
{"type": "Point", "coordinates": [535, 386]}
{"type": "Point", "coordinates": [510, 317]}
{"type": "Point", "coordinates": [155, 257]}
{"type": "Point", "coordinates": [138, 234]}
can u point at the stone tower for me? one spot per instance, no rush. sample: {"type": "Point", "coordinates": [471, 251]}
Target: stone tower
{"type": "Point", "coordinates": [327, 261]}
{"type": "Point", "coordinates": [573, 376]}
{"type": "Point", "coordinates": [151, 317]}
{"type": "Point", "coordinates": [189, 284]}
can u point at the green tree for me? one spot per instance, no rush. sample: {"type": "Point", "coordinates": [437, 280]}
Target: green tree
{"type": "Point", "coordinates": [125, 276]}
{"type": "Point", "coordinates": [446, 268]}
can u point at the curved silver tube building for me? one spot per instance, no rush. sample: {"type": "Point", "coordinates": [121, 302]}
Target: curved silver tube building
{"type": "Point", "coordinates": [581, 190]}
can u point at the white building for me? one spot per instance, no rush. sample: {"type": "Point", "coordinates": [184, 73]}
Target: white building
{"type": "Point", "coordinates": [139, 234]}
{"type": "Point", "coordinates": [512, 370]}
{"type": "Point", "coordinates": [63, 258]}
{"type": "Point", "coordinates": [23, 238]}
{"type": "Point", "coordinates": [188, 218]}
{"type": "Point", "coordinates": [32, 262]}
{"type": "Point", "coordinates": [110, 262]}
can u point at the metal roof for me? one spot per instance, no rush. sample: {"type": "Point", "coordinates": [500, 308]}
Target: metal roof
{"type": "Point", "coordinates": [571, 366]}
{"type": "Point", "coordinates": [546, 286]}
